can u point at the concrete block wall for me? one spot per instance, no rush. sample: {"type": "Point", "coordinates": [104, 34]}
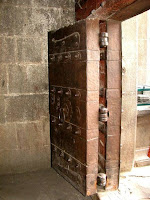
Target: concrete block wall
{"type": "Point", "coordinates": [24, 109]}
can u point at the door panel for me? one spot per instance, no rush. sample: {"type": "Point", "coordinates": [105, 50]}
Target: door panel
{"type": "Point", "coordinates": [74, 103]}
{"type": "Point", "coordinates": [74, 74]}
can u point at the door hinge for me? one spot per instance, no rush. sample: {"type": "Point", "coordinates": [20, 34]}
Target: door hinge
{"type": "Point", "coordinates": [103, 114]}
{"type": "Point", "coordinates": [103, 55]}
{"type": "Point", "coordinates": [103, 39]}
{"type": "Point", "coordinates": [102, 92]}
{"type": "Point", "coordinates": [101, 179]}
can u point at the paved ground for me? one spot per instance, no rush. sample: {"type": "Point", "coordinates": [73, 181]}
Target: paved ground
{"type": "Point", "coordinates": [134, 185]}
{"type": "Point", "coordinates": [137, 182]}
{"type": "Point", "coordinates": [47, 185]}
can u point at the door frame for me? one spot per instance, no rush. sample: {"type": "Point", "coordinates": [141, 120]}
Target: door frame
{"type": "Point", "coordinates": [114, 12]}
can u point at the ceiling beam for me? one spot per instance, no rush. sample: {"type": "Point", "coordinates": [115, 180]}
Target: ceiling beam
{"type": "Point", "coordinates": [85, 7]}
{"type": "Point", "coordinates": [112, 9]}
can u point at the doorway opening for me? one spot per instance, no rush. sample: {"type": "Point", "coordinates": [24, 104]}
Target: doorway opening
{"type": "Point", "coordinates": [135, 126]}
{"type": "Point", "coordinates": [135, 92]}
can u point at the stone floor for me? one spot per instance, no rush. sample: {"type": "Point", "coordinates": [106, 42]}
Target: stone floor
{"type": "Point", "coordinates": [134, 185]}
{"type": "Point", "coordinates": [137, 182]}
{"type": "Point", "coordinates": [47, 185]}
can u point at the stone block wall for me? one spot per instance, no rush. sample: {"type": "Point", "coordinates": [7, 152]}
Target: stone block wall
{"type": "Point", "coordinates": [129, 94]}
{"type": "Point", "coordinates": [143, 28]}
{"type": "Point", "coordinates": [135, 71]}
{"type": "Point", "coordinates": [24, 104]}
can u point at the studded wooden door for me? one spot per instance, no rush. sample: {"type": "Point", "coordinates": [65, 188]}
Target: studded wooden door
{"type": "Point", "coordinates": [74, 103]}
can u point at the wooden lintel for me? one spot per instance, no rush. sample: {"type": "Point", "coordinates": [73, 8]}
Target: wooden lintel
{"type": "Point", "coordinates": [112, 9]}
{"type": "Point", "coordinates": [85, 8]}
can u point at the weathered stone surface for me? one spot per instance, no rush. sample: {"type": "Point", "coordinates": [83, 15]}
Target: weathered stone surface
{"type": "Point", "coordinates": [90, 186]}
{"type": "Point", "coordinates": [129, 90]}
{"type": "Point", "coordinates": [113, 93]}
{"type": "Point", "coordinates": [129, 34]}
{"type": "Point", "coordinates": [5, 162]}
{"type": "Point", "coordinates": [93, 75]}
{"type": "Point", "coordinates": [45, 50]}
{"type": "Point", "coordinates": [28, 78]}
{"type": "Point", "coordinates": [142, 25]}
{"type": "Point", "coordinates": [24, 69]}
{"type": "Point", "coordinates": [91, 134]}
{"type": "Point", "coordinates": [92, 151]}
{"type": "Point", "coordinates": [40, 158]}
{"type": "Point", "coordinates": [26, 107]}
{"type": "Point", "coordinates": [143, 132]}
{"type": "Point", "coordinates": [8, 137]}
{"type": "Point", "coordinates": [126, 164]}
{"type": "Point", "coordinates": [46, 131]}
{"type": "Point", "coordinates": [16, 2]}
{"type": "Point", "coordinates": [113, 55]}
{"type": "Point", "coordinates": [143, 76]}
{"type": "Point", "coordinates": [112, 178]}
{"type": "Point", "coordinates": [92, 37]}
{"type": "Point", "coordinates": [7, 50]}
{"type": "Point", "coordinates": [114, 107]}
{"type": "Point", "coordinates": [32, 21]}
{"type": "Point", "coordinates": [19, 161]}
{"type": "Point", "coordinates": [9, 23]}
{"type": "Point", "coordinates": [92, 114]}
{"type": "Point", "coordinates": [129, 110]}
{"type": "Point", "coordinates": [67, 17]}
{"type": "Point", "coordinates": [56, 3]}
{"type": "Point", "coordinates": [24, 147]}
{"type": "Point", "coordinates": [128, 140]}
{"type": "Point", "coordinates": [142, 53]}
{"type": "Point", "coordinates": [93, 55]}
{"type": "Point", "coordinates": [29, 50]}
{"type": "Point", "coordinates": [29, 135]}
{"type": "Point", "coordinates": [128, 53]}
{"type": "Point", "coordinates": [39, 20]}
{"type": "Point", "coordinates": [113, 149]}
{"type": "Point", "coordinates": [114, 74]}
{"type": "Point", "coordinates": [2, 110]}
{"type": "Point", "coordinates": [92, 95]}
{"type": "Point", "coordinates": [129, 78]}
{"type": "Point", "coordinates": [3, 79]}
{"type": "Point", "coordinates": [114, 29]}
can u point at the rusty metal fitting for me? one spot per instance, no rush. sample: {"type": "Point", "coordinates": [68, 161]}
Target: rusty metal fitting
{"type": "Point", "coordinates": [103, 39]}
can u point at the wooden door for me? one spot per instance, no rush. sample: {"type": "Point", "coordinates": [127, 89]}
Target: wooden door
{"type": "Point", "coordinates": [111, 13]}
{"type": "Point", "coordinates": [74, 103]}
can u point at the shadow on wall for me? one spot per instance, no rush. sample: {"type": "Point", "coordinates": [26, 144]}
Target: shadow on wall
{"type": "Point", "coordinates": [24, 119]}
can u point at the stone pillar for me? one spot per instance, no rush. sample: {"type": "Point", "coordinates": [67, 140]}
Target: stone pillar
{"type": "Point", "coordinates": [129, 97]}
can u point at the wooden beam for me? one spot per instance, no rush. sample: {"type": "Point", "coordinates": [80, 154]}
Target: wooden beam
{"type": "Point", "coordinates": [132, 10]}
{"type": "Point", "coordinates": [112, 9]}
{"type": "Point", "coordinates": [86, 7]}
